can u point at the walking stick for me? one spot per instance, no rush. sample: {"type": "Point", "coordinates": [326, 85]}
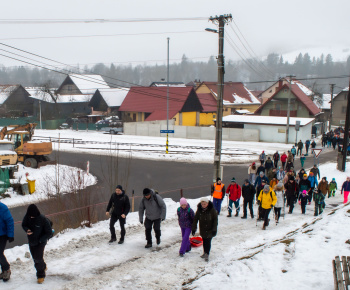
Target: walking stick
{"type": "Point", "coordinates": [284, 202]}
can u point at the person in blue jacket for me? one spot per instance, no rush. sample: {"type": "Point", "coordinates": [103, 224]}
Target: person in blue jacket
{"type": "Point", "coordinates": [6, 234]}
{"type": "Point", "coordinates": [313, 183]}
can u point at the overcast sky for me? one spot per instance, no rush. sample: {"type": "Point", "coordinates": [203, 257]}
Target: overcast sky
{"type": "Point", "coordinates": [268, 26]}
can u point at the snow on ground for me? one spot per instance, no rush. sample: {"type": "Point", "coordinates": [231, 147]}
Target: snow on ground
{"type": "Point", "coordinates": [47, 179]}
{"type": "Point", "coordinates": [295, 254]}
{"type": "Point", "coordinates": [145, 147]}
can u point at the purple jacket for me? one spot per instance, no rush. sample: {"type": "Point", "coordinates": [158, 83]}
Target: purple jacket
{"type": "Point", "coordinates": [186, 216]}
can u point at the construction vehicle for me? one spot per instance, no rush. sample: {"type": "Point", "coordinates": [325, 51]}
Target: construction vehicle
{"type": "Point", "coordinates": [29, 152]}
{"type": "Point", "coordinates": [8, 157]}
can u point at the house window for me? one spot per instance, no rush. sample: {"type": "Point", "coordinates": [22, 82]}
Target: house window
{"type": "Point", "coordinates": [343, 110]}
{"type": "Point", "coordinates": [278, 107]}
{"type": "Point", "coordinates": [226, 109]}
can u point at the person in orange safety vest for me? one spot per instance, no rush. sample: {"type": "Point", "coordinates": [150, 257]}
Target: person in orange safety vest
{"type": "Point", "coordinates": [218, 193]}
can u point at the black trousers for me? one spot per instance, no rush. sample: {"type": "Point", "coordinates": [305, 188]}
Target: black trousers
{"type": "Point", "coordinates": [277, 212]}
{"type": "Point", "coordinates": [283, 165]}
{"type": "Point", "coordinates": [3, 262]}
{"type": "Point", "coordinates": [207, 245]}
{"type": "Point", "coordinates": [37, 253]}
{"type": "Point", "coordinates": [290, 202]}
{"type": "Point", "coordinates": [265, 214]}
{"type": "Point", "coordinates": [303, 207]}
{"type": "Point", "coordinates": [275, 163]}
{"type": "Point", "coordinates": [112, 222]}
{"type": "Point", "coordinates": [245, 204]}
{"type": "Point", "coordinates": [156, 227]}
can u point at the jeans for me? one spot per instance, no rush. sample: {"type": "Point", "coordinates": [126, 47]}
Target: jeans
{"type": "Point", "coordinates": [252, 177]}
{"type": "Point", "coordinates": [207, 245]}
{"type": "Point", "coordinates": [37, 253]}
{"type": "Point", "coordinates": [148, 229]}
{"type": "Point", "coordinates": [185, 245]}
{"type": "Point", "coordinates": [230, 205]}
{"type": "Point", "coordinates": [3, 262]}
{"type": "Point", "coordinates": [217, 204]}
{"type": "Point", "coordinates": [112, 222]}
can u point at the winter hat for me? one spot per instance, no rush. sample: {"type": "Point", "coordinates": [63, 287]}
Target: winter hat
{"type": "Point", "coordinates": [33, 211]}
{"type": "Point", "coordinates": [146, 191]}
{"type": "Point", "coordinates": [183, 201]}
{"type": "Point", "coordinates": [261, 173]}
{"type": "Point", "coordinates": [304, 192]}
{"type": "Point", "coordinates": [119, 187]}
{"type": "Point", "coordinates": [305, 175]}
{"type": "Point", "coordinates": [333, 179]}
{"type": "Point", "coordinates": [291, 178]}
{"type": "Point", "coordinates": [218, 179]}
{"type": "Point", "coordinates": [266, 188]}
{"type": "Point", "coordinates": [253, 163]}
{"type": "Point", "coordinates": [233, 179]}
{"type": "Point", "coordinates": [311, 174]}
{"type": "Point", "coordinates": [325, 178]}
{"type": "Point", "coordinates": [246, 180]}
{"type": "Point", "coordinates": [279, 185]}
{"type": "Point", "coordinates": [205, 199]}
{"type": "Point", "coordinates": [264, 181]}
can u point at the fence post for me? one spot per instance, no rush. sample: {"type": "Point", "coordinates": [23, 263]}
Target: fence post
{"type": "Point", "coordinates": [181, 192]}
{"type": "Point", "coordinates": [89, 217]}
{"type": "Point", "coordinates": [133, 201]}
{"type": "Point", "coordinates": [73, 142]}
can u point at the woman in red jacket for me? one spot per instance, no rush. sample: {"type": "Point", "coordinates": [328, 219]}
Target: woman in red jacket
{"type": "Point", "coordinates": [234, 191]}
{"type": "Point", "coordinates": [284, 159]}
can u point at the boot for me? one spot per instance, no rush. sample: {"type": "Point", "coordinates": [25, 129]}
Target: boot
{"type": "Point", "coordinates": [112, 240]}
{"type": "Point", "coordinates": [206, 258]}
{"type": "Point", "coordinates": [148, 245]}
{"type": "Point", "coordinates": [264, 227]}
{"type": "Point", "coordinates": [6, 275]}
{"type": "Point", "coordinates": [121, 241]}
{"type": "Point", "coordinates": [244, 217]}
{"type": "Point", "coordinates": [236, 213]}
{"type": "Point", "coordinates": [229, 214]}
{"type": "Point", "coordinates": [41, 280]}
{"type": "Point", "coordinates": [203, 256]}
{"type": "Point", "coordinates": [158, 241]}
{"type": "Point", "coordinates": [252, 216]}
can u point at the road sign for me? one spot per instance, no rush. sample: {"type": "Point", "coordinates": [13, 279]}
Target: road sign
{"type": "Point", "coordinates": [167, 131]}
{"type": "Point", "coordinates": [316, 152]}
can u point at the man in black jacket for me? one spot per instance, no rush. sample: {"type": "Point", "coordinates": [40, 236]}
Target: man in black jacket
{"type": "Point", "coordinates": [120, 204]}
{"type": "Point", "coordinates": [248, 192]}
{"type": "Point", "coordinates": [38, 229]}
{"type": "Point", "coordinates": [292, 192]}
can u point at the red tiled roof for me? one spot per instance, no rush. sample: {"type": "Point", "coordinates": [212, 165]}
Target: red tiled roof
{"type": "Point", "coordinates": [300, 95]}
{"type": "Point", "coordinates": [208, 102]}
{"type": "Point", "coordinates": [154, 100]}
{"type": "Point", "coordinates": [231, 89]}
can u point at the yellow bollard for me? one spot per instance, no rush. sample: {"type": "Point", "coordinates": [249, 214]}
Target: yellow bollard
{"type": "Point", "coordinates": [31, 186]}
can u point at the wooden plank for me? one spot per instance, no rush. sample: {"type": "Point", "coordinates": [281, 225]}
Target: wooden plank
{"type": "Point", "coordinates": [345, 271]}
{"type": "Point", "coordinates": [335, 275]}
{"type": "Point", "coordinates": [339, 273]}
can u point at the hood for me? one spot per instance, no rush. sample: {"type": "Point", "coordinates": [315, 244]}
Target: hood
{"type": "Point", "coordinates": [210, 206]}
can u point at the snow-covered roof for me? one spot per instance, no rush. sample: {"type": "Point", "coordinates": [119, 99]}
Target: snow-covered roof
{"type": "Point", "coordinates": [304, 88]}
{"type": "Point", "coordinates": [323, 103]}
{"type": "Point", "coordinates": [39, 94]}
{"type": "Point", "coordinates": [270, 120]}
{"type": "Point", "coordinates": [244, 111]}
{"type": "Point", "coordinates": [74, 98]}
{"type": "Point", "coordinates": [88, 83]}
{"type": "Point", "coordinates": [114, 97]}
{"type": "Point", "coordinates": [346, 89]}
{"type": "Point", "coordinates": [5, 92]}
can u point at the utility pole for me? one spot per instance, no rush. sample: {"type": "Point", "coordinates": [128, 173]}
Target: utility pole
{"type": "Point", "coordinates": [346, 132]}
{"type": "Point", "coordinates": [331, 115]}
{"type": "Point", "coordinates": [220, 21]}
{"type": "Point", "coordinates": [288, 109]}
{"type": "Point", "coordinates": [167, 103]}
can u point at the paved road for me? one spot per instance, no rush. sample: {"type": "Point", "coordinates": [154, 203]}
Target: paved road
{"type": "Point", "coordinates": [135, 174]}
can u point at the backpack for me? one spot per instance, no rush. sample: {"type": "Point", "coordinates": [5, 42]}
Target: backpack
{"type": "Point", "coordinates": [52, 230]}
{"type": "Point", "coordinates": [189, 210]}
{"type": "Point", "coordinates": [155, 198]}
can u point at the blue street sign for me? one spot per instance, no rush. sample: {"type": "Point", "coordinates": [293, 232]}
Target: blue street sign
{"type": "Point", "coordinates": [167, 131]}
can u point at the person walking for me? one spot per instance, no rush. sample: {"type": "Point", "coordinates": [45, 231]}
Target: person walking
{"type": "Point", "coordinates": [155, 208]}
{"type": "Point", "coordinates": [284, 158]}
{"type": "Point", "coordinates": [252, 171]}
{"type": "Point", "coordinates": [267, 201]}
{"type": "Point", "coordinates": [332, 188]}
{"type": "Point", "coordinates": [278, 189]}
{"type": "Point", "coordinates": [248, 192]}
{"type": "Point", "coordinates": [119, 205]}
{"type": "Point", "coordinates": [259, 191]}
{"type": "Point", "coordinates": [289, 165]}
{"type": "Point", "coordinates": [39, 230]}
{"type": "Point", "coordinates": [259, 179]}
{"type": "Point", "coordinates": [185, 216]}
{"type": "Point", "coordinates": [323, 186]}
{"type": "Point", "coordinates": [303, 199]}
{"type": "Point", "coordinates": [307, 145]}
{"type": "Point", "coordinates": [302, 160]}
{"type": "Point", "coordinates": [280, 174]}
{"type": "Point", "coordinates": [346, 189]}
{"type": "Point", "coordinates": [292, 193]}
{"type": "Point", "coordinates": [260, 169]}
{"type": "Point", "coordinates": [276, 158]}
{"type": "Point", "coordinates": [234, 191]}
{"type": "Point", "coordinates": [315, 171]}
{"type": "Point", "coordinates": [319, 202]}
{"type": "Point", "coordinates": [208, 224]}
{"type": "Point", "coordinates": [313, 144]}
{"type": "Point", "coordinates": [218, 194]}
{"type": "Point", "coordinates": [262, 158]}
{"type": "Point", "coordinates": [293, 151]}
{"type": "Point", "coordinates": [6, 234]}
{"type": "Point", "coordinates": [313, 184]}
{"type": "Point", "coordinates": [300, 147]}
{"type": "Point", "coordinates": [268, 165]}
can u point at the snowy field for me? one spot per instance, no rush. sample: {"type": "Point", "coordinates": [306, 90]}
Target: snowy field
{"type": "Point", "coordinates": [188, 150]}
{"type": "Point", "coordinates": [295, 254]}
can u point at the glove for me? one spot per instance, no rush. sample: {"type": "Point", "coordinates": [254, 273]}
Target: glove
{"type": "Point", "coordinates": [193, 233]}
{"type": "Point", "coordinates": [271, 205]}
{"type": "Point", "coordinates": [213, 234]}
{"type": "Point", "coordinates": [10, 239]}
{"type": "Point", "coordinates": [299, 202]}
{"type": "Point", "coordinates": [309, 203]}
{"type": "Point", "coordinates": [141, 222]}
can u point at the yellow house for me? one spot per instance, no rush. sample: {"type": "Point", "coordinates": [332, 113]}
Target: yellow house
{"type": "Point", "coordinates": [236, 97]}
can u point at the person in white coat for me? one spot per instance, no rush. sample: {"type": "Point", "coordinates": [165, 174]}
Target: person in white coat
{"type": "Point", "coordinates": [280, 200]}
{"type": "Point", "coordinates": [252, 173]}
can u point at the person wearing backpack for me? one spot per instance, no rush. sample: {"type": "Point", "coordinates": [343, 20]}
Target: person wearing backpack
{"type": "Point", "coordinates": [248, 192]}
{"type": "Point", "coordinates": [185, 216]}
{"type": "Point", "coordinates": [234, 192]}
{"type": "Point", "coordinates": [39, 230]}
{"type": "Point", "coordinates": [278, 189]}
{"type": "Point", "coordinates": [155, 208]}
{"type": "Point", "coordinates": [119, 205]}
{"type": "Point", "coordinates": [292, 192]}
{"type": "Point", "coordinates": [267, 199]}
{"type": "Point", "coordinates": [6, 234]}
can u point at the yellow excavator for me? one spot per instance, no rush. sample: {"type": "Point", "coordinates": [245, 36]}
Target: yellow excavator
{"type": "Point", "coordinates": [29, 152]}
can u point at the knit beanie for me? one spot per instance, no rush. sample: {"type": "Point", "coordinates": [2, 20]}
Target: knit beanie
{"type": "Point", "coordinates": [183, 201]}
{"type": "Point", "coordinates": [146, 191]}
{"type": "Point", "coordinates": [119, 187]}
{"type": "Point", "coordinates": [33, 211]}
